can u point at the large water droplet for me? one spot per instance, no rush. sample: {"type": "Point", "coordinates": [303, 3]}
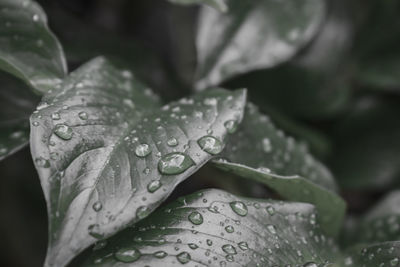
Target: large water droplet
{"type": "Point", "coordinates": [239, 208]}
{"type": "Point", "coordinates": [127, 255]}
{"type": "Point", "coordinates": [153, 186]}
{"type": "Point", "coordinates": [142, 212]}
{"type": "Point", "coordinates": [210, 144]}
{"type": "Point", "coordinates": [229, 249]}
{"type": "Point", "coordinates": [231, 126]}
{"type": "Point", "coordinates": [183, 257]}
{"type": "Point", "coordinates": [195, 218]}
{"type": "Point", "coordinates": [63, 131]}
{"type": "Point", "coordinates": [174, 163]}
{"type": "Point", "coordinates": [142, 150]}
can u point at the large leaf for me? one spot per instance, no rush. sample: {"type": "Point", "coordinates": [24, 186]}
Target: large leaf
{"type": "Point", "coordinates": [218, 4]}
{"type": "Point", "coordinates": [107, 155]}
{"type": "Point", "coordinates": [380, 255]}
{"type": "Point", "coordinates": [253, 35]}
{"type": "Point", "coordinates": [215, 228]}
{"type": "Point", "coordinates": [17, 103]}
{"type": "Point", "coordinates": [261, 152]}
{"type": "Point", "coordinates": [28, 49]}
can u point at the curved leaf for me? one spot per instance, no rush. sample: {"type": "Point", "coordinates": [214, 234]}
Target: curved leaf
{"type": "Point", "coordinates": [261, 152]}
{"type": "Point", "coordinates": [16, 105]}
{"type": "Point", "coordinates": [381, 254]}
{"type": "Point", "coordinates": [253, 35]}
{"type": "Point", "coordinates": [107, 156]}
{"type": "Point", "coordinates": [215, 228]}
{"type": "Point", "coordinates": [217, 4]}
{"type": "Point", "coordinates": [28, 49]}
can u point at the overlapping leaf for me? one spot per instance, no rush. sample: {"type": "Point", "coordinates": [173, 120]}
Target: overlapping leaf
{"type": "Point", "coordinates": [107, 155]}
{"type": "Point", "coordinates": [28, 49]}
{"type": "Point", "coordinates": [380, 254]}
{"type": "Point", "coordinates": [215, 228]}
{"type": "Point", "coordinates": [253, 35]}
{"type": "Point", "coordinates": [261, 152]}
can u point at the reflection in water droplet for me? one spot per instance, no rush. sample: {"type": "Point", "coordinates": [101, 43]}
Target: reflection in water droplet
{"type": "Point", "coordinates": [210, 144]}
{"type": "Point", "coordinates": [127, 255]}
{"type": "Point", "coordinates": [153, 186]}
{"type": "Point", "coordinates": [229, 249]}
{"type": "Point", "coordinates": [239, 208]}
{"type": "Point", "coordinates": [174, 163]}
{"type": "Point", "coordinates": [183, 257]}
{"type": "Point", "coordinates": [195, 218]}
{"type": "Point", "coordinates": [231, 126]}
{"type": "Point", "coordinates": [63, 131]}
{"type": "Point", "coordinates": [142, 150]}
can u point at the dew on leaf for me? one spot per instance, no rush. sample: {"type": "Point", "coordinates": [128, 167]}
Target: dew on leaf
{"type": "Point", "coordinates": [310, 264]}
{"type": "Point", "coordinates": [127, 255]}
{"type": "Point", "coordinates": [193, 246]}
{"type": "Point", "coordinates": [97, 206]}
{"type": "Point", "coordinates": [172, 142]}
{"type": "Point", "coordinates": [63, 131]}
{"type": "Point", "coordinates": [210, 144]}
{"type": "Point", "coordinates": [243, 246]}
{"type": "Point", "coordinates": [142, 212]}
{"type": "Point", "coordinates": [160, 254]}
{"type": "Point", "coordinates": [83, 115]}
{"type": "Point", "coordinates": [41, 162]}
{"type": "Point", "coordinates": [229, 249]}
{"type": "Point", "coordinates": [229, 229]}
{"type": "Point", "coordinates": [183, 257]}
{"type": "Point", "coordinates": [153, 186]}
{"type": "Point", "coordinates": [195, 218]}
{"type": "Point", "coordinates": [174, 163]}
{"type": "Point", "coordinates": [270, 210]}
{"type": "Point", "coordinates": [231, 126]}
{"type": "Point", "coordinates": [239, 208]}
{"type": "Point", "coordinates": [142, 150]}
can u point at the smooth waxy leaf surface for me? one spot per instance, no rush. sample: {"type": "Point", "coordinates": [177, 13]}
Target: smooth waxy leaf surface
{"type": "Point", "coordinates": [215, 228]}
{"type": "Point", "coordinates": [382, 222]}
{"type": "Point", "coordinates": [380, 254]}
{"type": "Point", "coordinates": [260, 151]}
{"type": "Point", "coordinates": [28, 49]}
{"type": "Point", "coordinates": [218, 4]}
{"type": "Point", "coordinates": [107, 155]}
{"type": "Point", "coordinates": [17, 103]}
{"type": "Point", "coordinates": [253, 35]}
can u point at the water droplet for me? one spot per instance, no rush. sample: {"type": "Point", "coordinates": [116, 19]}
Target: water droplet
{"type": "Point", "coordinates": [229, 229]}
{"type": "Point", "coordinates": [55, 116]}
{"type": "Point", "coordinates": [231, 126]}
{"type": "Point", "coordinates": [243, 246]}
{"type": "Point", "coordinates": [193, 246]}
{"type": "Point", "coordinates": [270, 210]}
{"type": "Point", "coordinates": [153, 186]}
{"type": "Point", "coordinates": [160, 254]}
{"type": "Point", "coordinates": [142, 212]}
{"type": "Point", "coordinates": [63, 131]}
{"type": "Point", "coordinates": [394, 262]}
{"type": "Point", "coordinates": [83, 115]}
{"type": "Point", "coordinates": [35, 18]}
{"type": "Point", "coordinates": [142, 150]}
{"type": "Point", "coordinates": [94, 230]}
{"type": "Point", "coordinates": [172, 142]}
{"type": "Point", "coordinates": [183, 257]}
{"type": "Point", "coordinates": [229, 249]}
{"type": "Point", "coordinates": [210, 144]}
{"type": "Point", "coordinates": [99, 245]}
{"type": "Point", "coordinates": [239, 208]}
{"type": "Point", "coordinates": [127, 255]}
{"type": "Point", "coordinates": [174, 163]}
{"type": "Point", "coordinates": [266, 144]}
{"type": "Point", "coordinates": [310, 264]}
{"type": "Point", "coordinates": [271, 229]}
{"type": "Point", "coordinates": [209, 242]}
{"type": "Point", "coordinates": [41, 162]}
{"type": "Point", "coordinates": [195, 218]}
{"type": "Point", "coordinates": [97, 206]}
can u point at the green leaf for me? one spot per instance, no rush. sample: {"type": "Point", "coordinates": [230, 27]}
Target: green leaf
{"type": "Point", "coordinates": [16, 105]}
{"type": "Point", "coordinates": [28, 49]}
{"type": "Point", "coordinates": [261, 152]}
{"type": "Point", "coordinates": [107, 155]}
{"type": "Point", "coordinates": [382, 222]}
{"type": "Point", "coordinates": [217, 4]}
{"type": "Point", "coordinates": [215, 228]}
{"type": "Point", "coordinates": [381, 254]}
{"type": "Point", "coordinates": [253, 35]}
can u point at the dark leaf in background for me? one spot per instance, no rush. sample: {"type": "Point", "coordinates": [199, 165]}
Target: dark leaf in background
{"type": "Point", "coordinates": [215, 228]}
{"type": "Point", "coordinates": [217, 4]}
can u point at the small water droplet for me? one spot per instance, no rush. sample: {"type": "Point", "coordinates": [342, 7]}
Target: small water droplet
{"type": "Point", "coordinates": [174, 163]}
{"type": "Point", "coordinates": [239, 208]}
{"type": "Point", "coordinates": [394, 262]}
{"type": "Point", "coordinates": [142, 150]}
{"type": "Point", "coordinates": [310, 264]}
{"type": "Point", "coordinates": [270, 210]}
{"type": "Point", "coordinates": [172, 142]}
{"type": "Point", "coordinates": [229, 249]}
{"type": "Point", "coordinates": [243, 246]}
{"type": "Point", "coordinates": [210, 144]}
{"type": "Point", "coordinates": [63, 131]}
{"type": "Point", "coordinates": [266, 144]}
{"type": "Point", "coordinates": [153, 186]}
{"type": "Point", "coordinates": [94, 230]}
{"type": "Point", "coordinates": [229, 229]}
{"type": "Point", "coordinates": [193, 246]}
{"type": "Point", "coordinates": [41, 162]}
{"type": "Point", "coordinates": [183, 257]}
{"type": "Point", "coordinates": [35, 18]}
{"type": "Point", "coordinates": [97, 206]}
{"type": "Point", "coordinates": [231, 126]}
{"type": "Point", "coordinates": [195, 218]}
{"type": "Point", "coordinates": [55, 116]}
{"type": "Point", "coordinates": [83, 115]}
{"type": "Point", "coordinates": [142, 212]}
{"type": "Point", "coordinates": [160, 254]}
{"type": "Point", "coordinates": [271, 229]}
{"type": "Point", "coordinates": [127, 255]}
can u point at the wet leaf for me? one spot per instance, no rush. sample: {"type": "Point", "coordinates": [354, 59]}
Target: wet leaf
{"type": "Point", "coordinates": [233, 231]}
{"type": "Point", "coordinates": [253, 35]}
{"type": "Point", "coordinates": [217, 4]}
{"type": "Point", "coordinates": [103, 150]}
{"type": "Point", "coordinates": [261, 152]}
{"type": "Point", "coordinates": [28, 49]}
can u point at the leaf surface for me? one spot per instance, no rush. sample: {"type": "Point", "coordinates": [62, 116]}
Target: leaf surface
{"type": "Point", "coordinates": [252, 35]}
{"type": "Point", "coordinates": [107, 155]}
{"type": "Point", "coordinates": [380, 254]}
{"type": "Point", "coordinates": [28, 49]}
{"type": "Point", "coordinates": [217, 4]}
{"type": "Point", "coordinates": [215, 228]}
{"type": "Point", "coordinates": [260, 151]}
